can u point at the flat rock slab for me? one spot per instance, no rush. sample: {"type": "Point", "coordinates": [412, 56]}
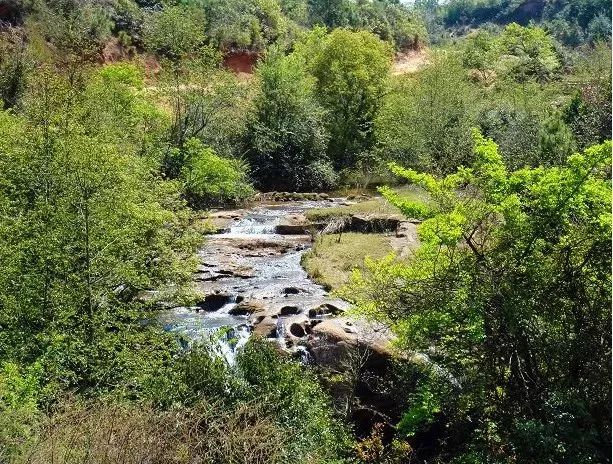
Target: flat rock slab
{"type": "Point", "coordinates": [332, 340]}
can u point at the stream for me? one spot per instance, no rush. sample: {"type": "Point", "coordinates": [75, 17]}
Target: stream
{"type": "Point", "coordinates": [250, 264]}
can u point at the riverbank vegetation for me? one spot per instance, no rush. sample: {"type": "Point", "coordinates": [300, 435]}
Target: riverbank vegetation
{"type": "Point", "coordinates": [123, 122]}
{"type": "Point", "coordinates": [335, 256]}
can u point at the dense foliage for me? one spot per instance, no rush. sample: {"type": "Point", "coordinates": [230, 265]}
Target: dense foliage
{"type": "Point", "coordinates": [123, 122]}
{"type": "Point", "coordinates": [510, 297]}
{"type": "Point", "coordinates": [286, 138]}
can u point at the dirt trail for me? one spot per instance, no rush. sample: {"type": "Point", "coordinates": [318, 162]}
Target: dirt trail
{"type": "Point", "coordinates": [410, 62]}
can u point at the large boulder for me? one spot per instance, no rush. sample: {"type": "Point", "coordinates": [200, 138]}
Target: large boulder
{"type": "Point", "coordinates": [265, 326]}
{"type": "Point", "coordinates": [296, 327]}
{"type": "Point", "coordinates": [295, 224]}
{"type": "Point", "coordinates": [333, 340]}
{"type": "Point", "coordinates": [247, 308]}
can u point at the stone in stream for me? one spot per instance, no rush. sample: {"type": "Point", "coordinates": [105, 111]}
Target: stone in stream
{"type": "Point", "coordinates": [220, 222]}
{"type": "Point", "coordinates": [215, 301]}
{"type": "Point", "coordinates": [326, 309]}
{"type": "Point", "coordinates": [289, 310]}
{"type": "Point", "coordinates": [297, 326]}
{"type": "Point", "coordinates": [295, 224]}
{"type": "Point", "coordinates": [267, 327]}
{"type": "Point", "coordinates": [292, 290]}
{"type": "Point", "coordinates": [246, 308]}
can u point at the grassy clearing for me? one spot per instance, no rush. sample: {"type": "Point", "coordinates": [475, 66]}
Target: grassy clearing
{"type": "Point", "coordinates": [330, 262]}
{"type": "Point", "coordinates": [376, 205]}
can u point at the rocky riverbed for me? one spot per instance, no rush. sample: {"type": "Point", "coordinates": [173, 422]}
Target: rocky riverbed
{"type": "Point", "coordinates": [254, 284]}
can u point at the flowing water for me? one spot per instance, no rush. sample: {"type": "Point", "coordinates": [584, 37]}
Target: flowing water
{"type": "Point", "coordinates": [249, 263]}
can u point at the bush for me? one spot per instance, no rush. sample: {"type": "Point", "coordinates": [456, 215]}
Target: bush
{"type": "Point", "coordinates": [321, 175]}
{"type": "Point", "coordinates": [425, 121]}
{"type": "Point", "coordinates": [14, 66]}
{"type": "Point", "coordinates": [209, 179]}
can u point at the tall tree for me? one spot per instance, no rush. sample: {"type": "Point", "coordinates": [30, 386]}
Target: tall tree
{"type": "Point", "coordinates": [286, 137]}
{"type": "Point", "coordinates": [352, 70]}
{"type": "Point", "coordinates": [86, 225]}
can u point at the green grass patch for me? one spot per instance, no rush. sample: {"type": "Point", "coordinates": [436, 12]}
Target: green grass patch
{"type": "Point", "coordinates": [331, 261]}
{"type": "Point", "coordinates": [376, 205]}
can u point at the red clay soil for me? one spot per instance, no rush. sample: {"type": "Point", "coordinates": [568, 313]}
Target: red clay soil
{"type": "Point", "coordinates": [240, 62]}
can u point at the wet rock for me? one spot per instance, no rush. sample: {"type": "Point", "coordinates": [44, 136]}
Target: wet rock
{"type": "Point", "coordinates": [215, 301]}
{"type": "Point", "coordinates": [326, 309]}
{"type": "Point", "coordinates": [206, 276]}
{"type": "Point", "coordinates": [292, 290]}
{"type": "Point", "coordinates": [243, 272]}
{"type": "Point", "coordinates": [296, 224]}
{"type": "Point", "coordinates": [296, 327]}
{"type": "Point", "coordinates": [204, 267]}
{"type": "Point", "coordinates": [246, 308]}
{"type": "Point", "coordinates": [289, 310]}
{"type": "Point", "coordinates": [266, 327]}
{"type": "Point", "coordinates": [297, 330]}
{"type": "Point", "coordinates": [263, 246]}
{"type": "Point", "coordinates": [220, 222]}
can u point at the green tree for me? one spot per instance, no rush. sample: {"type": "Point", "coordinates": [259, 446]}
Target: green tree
{"type": "Point", "coordinates": [77, 31]}
{"type": "Point", "coordinates": [176, 32]}
{"type": "Point", "coordinates": [509, 301]}
{"type": "Point", "coordinates": [556, 141]}
{"type": "Point", "coordinates": [247, 25]}
{"type": "Point", "coordinates": [208, 179]}
{"type": "Point", "coordinates": [332, 13]}
{"type": "Point", "coordinates": [286, 138]}
{"type": "Point", "coordinates": [87, 226]}
{"type": "Point", "coordinates": [393, 22]}
{"type": "Point", "coordinates": [425, 120]}
{"type": "Point", "coordinates": [521, 53]}
{"type": "Point", "coordinates": [527, 53]}
{"type": "Point", "coordinates": [352, 70]}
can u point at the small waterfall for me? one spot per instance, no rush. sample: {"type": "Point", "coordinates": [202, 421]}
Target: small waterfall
{"type": "Point", "coordinates": [258, 224]}
{"type": "Point", "coordinates": [231, 341]}
{"type": "Point", "coordinates": [269, 268]}
{"type": "Point", "coordinates": [303, 353]}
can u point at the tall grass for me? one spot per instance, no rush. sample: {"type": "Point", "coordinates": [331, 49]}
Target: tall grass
{"type": "Point", "coordinates": [121, 433]}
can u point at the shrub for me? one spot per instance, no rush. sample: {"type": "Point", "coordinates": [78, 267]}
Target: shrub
{"type": "Point", "coordinates": [175, 32]}
{"type": "Point", "coordinates": [209, 179]}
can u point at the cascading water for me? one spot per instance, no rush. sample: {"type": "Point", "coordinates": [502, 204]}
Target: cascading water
{"type": "Point", "coordinates": [249, 262]}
